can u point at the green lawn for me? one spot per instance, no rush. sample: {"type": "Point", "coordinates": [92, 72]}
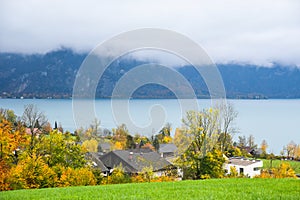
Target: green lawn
{"type": "Point", "coordinates": [275, 163]}
{"type": "Point", "coordinates": [206, 189]}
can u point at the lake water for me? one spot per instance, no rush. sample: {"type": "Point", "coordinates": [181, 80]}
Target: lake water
{"type": "Point", "coordinates": [276, 121]}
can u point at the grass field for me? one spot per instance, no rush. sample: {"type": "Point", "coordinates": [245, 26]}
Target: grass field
{"type": "Point", "coordinates": [275, 163]}
{"type": "Point", "coordinates": [202, 189]}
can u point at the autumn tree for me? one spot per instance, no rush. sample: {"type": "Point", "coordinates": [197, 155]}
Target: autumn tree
{"type": "Point", "coordinates": [32, 172]}
{"type": "Point", "coordinates": [13, 139]}
{"type": "Point", "coordinates": [202, 128]}
{"type": "Point", "coordinates": [264, 146]}
{"type": "Point", "coordinates": [90, 145]}
{"type": "Point", "coordinates": [61, 149]}
{"type": "Point", "coordinates": [182, 140]}
{"type": "Point", "coordinates": [120, 136]}
{"type": "Point", "coordinates": [164, 135]}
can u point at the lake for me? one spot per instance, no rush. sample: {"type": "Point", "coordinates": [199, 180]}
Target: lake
{"type": "Point", "coordinates": [276, 121]}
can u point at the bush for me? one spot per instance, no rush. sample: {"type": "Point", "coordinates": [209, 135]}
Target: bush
{"type": "Point", "coordinates": [283, 171]}
{"type": "Point", "coordinates": [76, 177]}
{"type": "Point", "coordinates": [4, 176]}
{"type": "Point", "coordinates": [117, 176]}
{"type": "Point", "coordinates": [32, 172]}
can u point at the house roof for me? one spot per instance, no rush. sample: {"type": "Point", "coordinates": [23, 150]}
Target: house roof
{"type": "Point", "coordinates": [134, 162]}
{"type": "Point", "coordinates": [242, 161]}
{"type": "Point", "coordinates": [140, 150]}
{"type": "Point", "coordinates": [104, 146]}
{"type": "Point", "coordinates": [97, 162]}
{"type": "Point", "coordinates": [167, 148]}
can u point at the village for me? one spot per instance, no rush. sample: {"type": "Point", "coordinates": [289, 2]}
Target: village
{"type": "Point", "coordinates": [36, 155]}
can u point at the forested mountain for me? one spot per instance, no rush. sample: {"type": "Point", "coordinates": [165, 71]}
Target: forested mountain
{"type": "Point", "coordinates": [52, 75]}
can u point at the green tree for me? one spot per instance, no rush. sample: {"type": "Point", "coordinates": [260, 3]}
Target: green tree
{"type": "Point", "coordinates": [202, 128]}
{"type": "Point", "coordinates": [130, 144]}
{"type": "Point", "coordinates": [61, 149]}
{"type": "Point", "coordinates": [155, 143]}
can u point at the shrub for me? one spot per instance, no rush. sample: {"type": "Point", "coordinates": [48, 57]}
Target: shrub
{"type": "Point", "coordinates": [32, 172]}
{"type": "Point", "coordinates": [4, 176]}
{"type": "Point", "coordinates": [76, 177]}
{"type": "Point", "coordinates": [283, 171]}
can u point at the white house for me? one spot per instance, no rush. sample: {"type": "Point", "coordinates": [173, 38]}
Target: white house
{"type": "Point", "coordinates": [244, 166]}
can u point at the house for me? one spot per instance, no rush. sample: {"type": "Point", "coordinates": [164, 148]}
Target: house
{"type": "Point", "coordinates": [104, 147]}
{"type": "Point", "coordinates": [97, 163]}
{"type": "Point", "coordinates": [133, 162]}
{"type": "Point", "coordinates": [167, 150]}
{"type": "Point", "coordinates": [244, 166]}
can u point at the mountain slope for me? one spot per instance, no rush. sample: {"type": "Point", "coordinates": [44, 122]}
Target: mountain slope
{"type": "Point", "coordinates": [52, 75]}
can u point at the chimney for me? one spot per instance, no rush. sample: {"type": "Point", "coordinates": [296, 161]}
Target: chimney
{"type": "Point", "coordinates": [130, 156]}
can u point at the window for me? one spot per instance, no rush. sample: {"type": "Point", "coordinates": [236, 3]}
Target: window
{"type": "Point", "coordinates": [256, 168]}
{"type": "Point", "coordinates": [241, 170]}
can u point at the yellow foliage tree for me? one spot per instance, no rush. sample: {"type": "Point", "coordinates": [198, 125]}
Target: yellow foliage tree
{"type": "Point", "coordinates": [90, 145]}
{"type": "Point", "coordinates": [32, 172]}
{"type": "Point", "coordinates": [283, 171]}
{"type": "Point", "coordinates": [76, 177]}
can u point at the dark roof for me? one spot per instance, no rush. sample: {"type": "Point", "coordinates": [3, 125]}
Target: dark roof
{"type": "Point", "coordinates": [134, 162]}
{"type": "Point", "coordinates": [167, 148]}
{"type": "Point", "coordinates": [97, 162]}
{"type": "Point", "coordinates": [140, 150]}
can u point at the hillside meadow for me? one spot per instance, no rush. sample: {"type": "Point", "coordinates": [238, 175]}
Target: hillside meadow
{"type": "Point", "coordinates": [242, 188]}
{"type": "Point", "coordinates": [276, 163]}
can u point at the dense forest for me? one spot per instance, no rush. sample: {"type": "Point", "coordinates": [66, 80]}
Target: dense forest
{"type": "Point", "coordinates": [52, 75]}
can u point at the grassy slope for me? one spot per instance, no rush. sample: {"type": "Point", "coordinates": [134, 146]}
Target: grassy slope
{"type": "Point", "coordinates": [275, 163]}
{"type": "Point", "coordinates": [207, 189]}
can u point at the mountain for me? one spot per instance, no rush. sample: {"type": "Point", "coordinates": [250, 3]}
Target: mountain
{"type": "Point", "coordinates": [52, 75]}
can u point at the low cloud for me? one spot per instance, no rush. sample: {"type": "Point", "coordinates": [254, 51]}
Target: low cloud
{"type": "Point", "coordinates": [253, 31]}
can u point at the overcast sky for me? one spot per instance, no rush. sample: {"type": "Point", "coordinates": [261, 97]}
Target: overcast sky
{"type": "Point", "coordinates": [255, 31]}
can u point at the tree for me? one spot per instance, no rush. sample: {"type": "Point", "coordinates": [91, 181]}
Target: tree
{"type": "Point", "coordinates": [155, 143]}
{"type": "Point", "coordinates": [130, 144]}
{"type": "Point", "coordinates": [120, 136]}
{"type": "Point", "coordinates": [32, 172]}
{"type": "Point", "coordinates": [9, 115]}
{"type": "Point", "coordinates": [182, 140]}
{"type": "Point", "coordinates": [90, 145]}
{"type": "Point", "coordinates": [95, 129]}
{"type": "Point", "coordinates": [297, 152]}
{"type": "Point", "coordinates": [12, 140]}
{"type": "Point", "coordinates": [227, 116]}
{"type": "Point", "coordinates": [290, 149]}
{"type": "Point", "coordinates": [61, 149]}
{"type": "Point", "coordinates": [164, 135]}
{"type": "Point", "coordinates": [264, 146]}
{"type": "Point", "coordinates": [242, 141]}
{"type": "Point", "coordinates": [212, 165]}
{"type": "Point", "coordinates": [251, 141]}
{"type": "Point", "coordinates": [202, 128]}
{"type": "Point", "coordinates": [34, 120]}
{"type": "Point", "coordinates": [55, 125]}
